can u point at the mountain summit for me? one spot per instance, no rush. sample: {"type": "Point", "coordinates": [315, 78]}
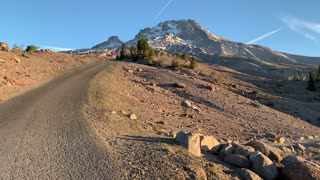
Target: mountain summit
{"type": "Point", "coordinates": [187, 36]}
{"type": "Point", "coordinates": [112, 42]}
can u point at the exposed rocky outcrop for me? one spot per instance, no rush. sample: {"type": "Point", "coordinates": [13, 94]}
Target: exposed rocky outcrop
{"type": "Point", "coordinates": [261, 161]}
{"type": "Point", "coordinates": [271, 152]}
{"type": "Point", "coordinates": [111, 43]}
{"type": "Point", "coordinates": [4, 47]}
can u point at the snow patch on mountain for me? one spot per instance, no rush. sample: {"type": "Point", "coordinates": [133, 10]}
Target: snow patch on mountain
{"type": "Point", "coordinates": [187, 36]}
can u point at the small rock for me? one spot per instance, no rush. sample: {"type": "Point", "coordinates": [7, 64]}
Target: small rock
{"type": "Point", "coordinates": [300, 147]}
{"type": "Point", "coordinates": [310, 137]}
{"type": "Point", "coordinates": [179, 85]}
{"type": "Point", "coordinates": [133, 117]}
{"type": "Point", "coordinates": [2, 61]}
{"type": "Point", "coordinates": [195, 108]}
{"type": "Point", "coordinates": [114, 112]}
{"type": "Point", "coordinates": [139, 70]}
{"type": "Point", "coordinates": [162, 123]}
{"type": "Point", "coordinates": [286, 150]}
{"type": "Point", "coordinates": [237, 160]}
{"type": "Point", "coordinates": [173, 134]}
{"type": "Point", "coordinates": [191, 141]}
{"type": "Point", "coordinates": [124, 112]}
{"type": "Point", "coordinates": [186, 104]}
{"type": "Point", "coordinates": [263, 166]}
{"type": "Point", "coordinates": [271, 135]}
{"type": "Point", "coordinates": [17, 60]}
{"type": "Point", "coordinates": [130, 71]}
{"type": "Point", "coordinates": [209, 144]}
{"type": "Point", "coordinates": [292, 148]}
{"type": "Point", "coordinates": [299, 138]}
{"type": "Point", "coordinates": [247, 174]}
{"type": "Point", "coordinates": [281, 140]}
{"type": "Point", "coordinates": [244, 150]}
{"type": "Point", "coordinates": [226, 150]}
{"type": "Point", "coordinates": [211, 88]}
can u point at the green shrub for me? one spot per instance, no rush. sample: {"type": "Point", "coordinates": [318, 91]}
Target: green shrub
{"type": "Point", "coordinates": [123, 51]}
{"type": "Point", "coordinates": [175, 63]}
{"type": "Point", "coordinates": [214, 78]}
{"type": "Point", "coordinates": [311, 82]}
{"type": "Point", "coordinates": [17, 48]}
{"type": "Point", "coordinates": [32, 48]}
{"type": "Point", "coordinates": [185, 57]}
{"type": "Point", "coordinates": [159, 63]}
{"type": "Point", "coordinates": [193, 63]}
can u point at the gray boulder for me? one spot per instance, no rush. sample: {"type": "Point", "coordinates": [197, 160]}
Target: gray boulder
{"type": "Point", "coordinates": [263, 166]}
{"type": "Point", "coordinates": [244, 150]}
{"type": "Point", "coordinates": [273, 153]}
{"type": "Point", "coordinates": [226, 149]}
{"type": "Point", "coordinates": [247, 174]}
{"type": "Point", "coordinates": [237, 160]}
{"type": "Point", "coordinates": [191, 141]}
{"type": "Point", "coordinates": [209, 144]}
{"type": "Point", "coordinates": [296, 168]}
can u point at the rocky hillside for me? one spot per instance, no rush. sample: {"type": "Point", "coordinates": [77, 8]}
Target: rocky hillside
{"type": "Point", "coordinates": [187, 36]}
{"type": "Point", "coordinates": [22, 71]}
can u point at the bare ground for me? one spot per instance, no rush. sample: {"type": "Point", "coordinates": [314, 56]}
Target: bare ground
{"type": "Point", "coordinates": [144, 145]}
{"type": "Point", "coordinates": [21, 71]}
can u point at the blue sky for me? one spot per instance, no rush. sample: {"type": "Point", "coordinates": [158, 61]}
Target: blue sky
{"type": "Point", "coordinates": [288, 25]}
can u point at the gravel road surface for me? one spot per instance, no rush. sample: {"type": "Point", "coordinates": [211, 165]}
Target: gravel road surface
{"type": "Point", "coordinates": [43, 133]}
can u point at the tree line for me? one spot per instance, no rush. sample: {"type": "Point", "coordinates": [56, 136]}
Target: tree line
{"type": "Point", "coordinates": [143, 51]}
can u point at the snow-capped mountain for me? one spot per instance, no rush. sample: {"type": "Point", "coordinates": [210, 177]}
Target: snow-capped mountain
{"type": "Point", "coordinates": [187, 36]}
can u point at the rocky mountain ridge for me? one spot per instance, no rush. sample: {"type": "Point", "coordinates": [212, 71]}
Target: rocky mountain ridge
{"type": "Point", "coordinates": [187, 36]}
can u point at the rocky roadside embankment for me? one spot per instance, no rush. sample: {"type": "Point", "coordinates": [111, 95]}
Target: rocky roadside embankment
{"type": "Point", "coordinates": [21, 71]}
{"type": "Point", "coordinates": [256, 159]}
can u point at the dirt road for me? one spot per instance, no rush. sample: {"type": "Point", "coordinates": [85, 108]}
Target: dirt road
{"type": "Point", "coordinates": [43, 134]}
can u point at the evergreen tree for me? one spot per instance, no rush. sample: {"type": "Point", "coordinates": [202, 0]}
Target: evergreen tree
{"type": "Point", "coordinates": [123, 51]}
{"type": "Point", "coordinates": [133, 51]}
{"type": "Point", "coordinates": [311, 86]}
{"type": "Point", "coordinates": [185, 57]}
{"type": "Point", "coordinates": [143, 48]}
{"type": "Point", "coordinates": [193, 63]}
{"type": "Point", "coordinates": [151, 54]}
